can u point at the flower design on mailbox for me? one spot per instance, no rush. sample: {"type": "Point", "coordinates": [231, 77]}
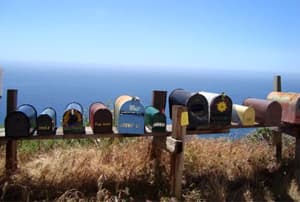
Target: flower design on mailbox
{"type": "Point", "coordinates": [222, 106]}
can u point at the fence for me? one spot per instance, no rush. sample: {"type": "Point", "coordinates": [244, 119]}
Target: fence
{"type": "Point", "coordinates": [172, 141]}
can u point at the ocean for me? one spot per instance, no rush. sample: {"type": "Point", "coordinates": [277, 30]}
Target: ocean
{"type": "Point", "coordinates": [56, 85]}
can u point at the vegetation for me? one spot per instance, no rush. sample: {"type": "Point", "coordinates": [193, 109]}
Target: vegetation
{"type": "Point", "coordinates": [122, 170]}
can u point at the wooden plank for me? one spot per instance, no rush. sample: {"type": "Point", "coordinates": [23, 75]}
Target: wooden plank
{"type": "Point", "coordinates": [89, 134]}
{"type": "Point", "coordinates": [297, 159]}
{"type": "Point", "coordinates": [11, 163]}
{"type": "Point", "coordinates": [277, 137]}
{"type": "Point", "coordinates": [277, 141]}
{"type": "Point", "coordinates": [177, 159]}
{"type": "Point", "coordinates": [159, 102]}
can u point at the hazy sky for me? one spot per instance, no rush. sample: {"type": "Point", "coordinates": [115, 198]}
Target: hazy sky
{"type": "Point", "coordinates": [241, 34]}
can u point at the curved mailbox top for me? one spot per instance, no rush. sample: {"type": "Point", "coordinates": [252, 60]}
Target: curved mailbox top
{"type": "Point", "coordinates": [220, 102]}
{"type": "Point", "coordinates": [74, 105]}
{"type": "Point", "coordinates": [196, 103]}
{"type": "Point", "coordinates": [258, 104]}
{"type": "Point", "coordinates": [28, 109]}
{"type": "Point", "coordinates": [267, 112]}
{"type": "Point", "coordinates": [94, 107]}
{"type": "Point", "coordinates": [128, 104]}
{"type": "Point", "coordinates": [151, 110]}
{"type": "Point", "coordinates": [49, 111]}
{"type": "Point", "coordinates": [290, 103]}
{"type": "Point", "coordinates": [180, 96]}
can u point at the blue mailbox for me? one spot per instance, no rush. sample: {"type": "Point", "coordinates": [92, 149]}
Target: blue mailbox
{"type": "Point", "coordinates": [129, 115]}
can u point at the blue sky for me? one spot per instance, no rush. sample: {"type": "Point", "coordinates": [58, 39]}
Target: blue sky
{"type": "Point", "coordinates": [241, 34]}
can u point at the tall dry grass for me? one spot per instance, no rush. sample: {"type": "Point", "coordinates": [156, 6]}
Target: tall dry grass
{"type": "Point", "coordinates": [215, 170]}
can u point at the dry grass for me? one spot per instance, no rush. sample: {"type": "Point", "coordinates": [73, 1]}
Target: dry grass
{"type": "Point", "coordinates": [215, 170]}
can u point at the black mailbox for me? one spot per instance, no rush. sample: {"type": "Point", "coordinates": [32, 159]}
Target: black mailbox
{"type": "Point", "coordinates": [22, 122]}
{"type": "Point", "coordinates": [46, 122]}
{"type": "Point", "coordinates": [196, 104]}
{"type": "Point", "coordinates": [73, 119]}
{"type": "Point", "coordinates": [220, 109]}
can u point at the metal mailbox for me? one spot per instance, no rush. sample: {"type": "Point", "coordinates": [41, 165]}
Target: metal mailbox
{"type": "Point", "coordinates": [155, 120]}
{"type": "Point", "coordinates": [243, 115]}
{"type": "Point", "coordinates": [46, 122]}
{"type": "Point", "coordinates": [129, 115]}
{"type": "Point", "coordinates": [220, 109]}
{"type": "Point", "coordinates": [290, 104]}
{"type": "Point", "coordinates": [100, 118]}
{"type": "Point", "coordinates": [267, 112]}
{"type": "Point", "coordinates": [197, 107]}
{"type": "Point", "coordinates": [22, 122]}
{"type": "Point", "coordinates": [73, 119]}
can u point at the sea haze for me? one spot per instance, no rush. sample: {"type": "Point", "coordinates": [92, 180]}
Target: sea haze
{"type": "Point", "coordinates": [57, 85]}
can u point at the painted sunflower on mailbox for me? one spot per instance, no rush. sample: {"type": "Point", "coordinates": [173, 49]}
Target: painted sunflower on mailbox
{"type": "Point", "coordinates": [222, 104]}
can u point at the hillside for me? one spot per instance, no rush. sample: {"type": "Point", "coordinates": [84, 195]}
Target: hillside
{"type": "Point", "coordinates": [106, 170]}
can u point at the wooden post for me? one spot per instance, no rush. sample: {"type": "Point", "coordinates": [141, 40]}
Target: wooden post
{"type": "Point", "coordinates": [180, 121]}
{"type": "Point", "coordinates": [159, 102]}
{"type": "Point", "coordinates": [11, 145]}
{"type": "Point", "coordinates": [277, 136]}
{"type": "Point", "coordinates": [297, 159]}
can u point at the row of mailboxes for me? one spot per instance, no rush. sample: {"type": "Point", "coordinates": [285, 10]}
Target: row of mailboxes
{"type": "Point", "coordinates": [204, 109]}
{"type": "Point", "coordinates": [131, 117]}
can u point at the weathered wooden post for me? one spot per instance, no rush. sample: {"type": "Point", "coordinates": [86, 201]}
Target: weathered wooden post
{"type": "Point", "coordinates": [297, 157]}
{"type": "Point", "coordinates": [180, 121]}
{"type": "Point", "coordinates": [11, 145]}
{"type": "Point", "coordinates": [159, 102]}
{"type": "Point", "coordinates": [277, 136]}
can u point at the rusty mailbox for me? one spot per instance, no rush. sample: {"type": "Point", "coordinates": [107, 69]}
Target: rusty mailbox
{"type": "Point", "coordinates": [197, 107]}
{"type": "Point", "coordinates": [267, 112]}
{"type": "Point", "coordinates": [155, 120]}
{"type": "Point", "coordinates": [129, 115]}
{"type": "Point", "coordinates": [220, 109]}
{"type": "Point", "coordinates": [290, 104]}
{"type": "Point", "coordinates": [73, 119]}
{"type": "Point", "coordinates": [46, 122]}
{"type": "Point", "coordinates": [243, 115]}
{"type": "Point", "coordinates": [100, 118]}
{"type": "Point", "coordinates": [22, 122]}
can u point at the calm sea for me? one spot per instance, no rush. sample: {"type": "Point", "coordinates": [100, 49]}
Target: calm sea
{"type": "Point", "coordinates": [57, 85]}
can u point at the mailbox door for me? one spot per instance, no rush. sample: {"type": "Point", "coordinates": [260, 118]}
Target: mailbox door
{"type": "Point", "coordinates": [45, 125]}
{"type": "Point", "coordinates": [221, 111]}
{"type": "Point", "coordinates": [17, 125]}
{"type": "Point", "coordinates": [72, 122]}
{"type": "Point", "coordinates": [131, 124]}
{"type": "Point", "coordinates": [197, 106]}
{"type": "Point", "coordinates": [159, 123]}
{"type": "Point", "coordinates": [102, 121]}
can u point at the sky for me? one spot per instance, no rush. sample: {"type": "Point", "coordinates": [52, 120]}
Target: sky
{"type": "Point", "coordinates": [200, 34]}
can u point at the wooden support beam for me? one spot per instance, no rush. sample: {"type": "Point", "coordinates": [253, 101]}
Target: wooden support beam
{"type": "Point", "coordinates": [297, 159]}
{"type": "Point", "coordinates": [277, 136]}
{"type": "Point", "coordinates": [159, 102]}
{"type": "Point", "coordinates": [180, 121]}
{"type": "Point", "coordinates": [11, 163]}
